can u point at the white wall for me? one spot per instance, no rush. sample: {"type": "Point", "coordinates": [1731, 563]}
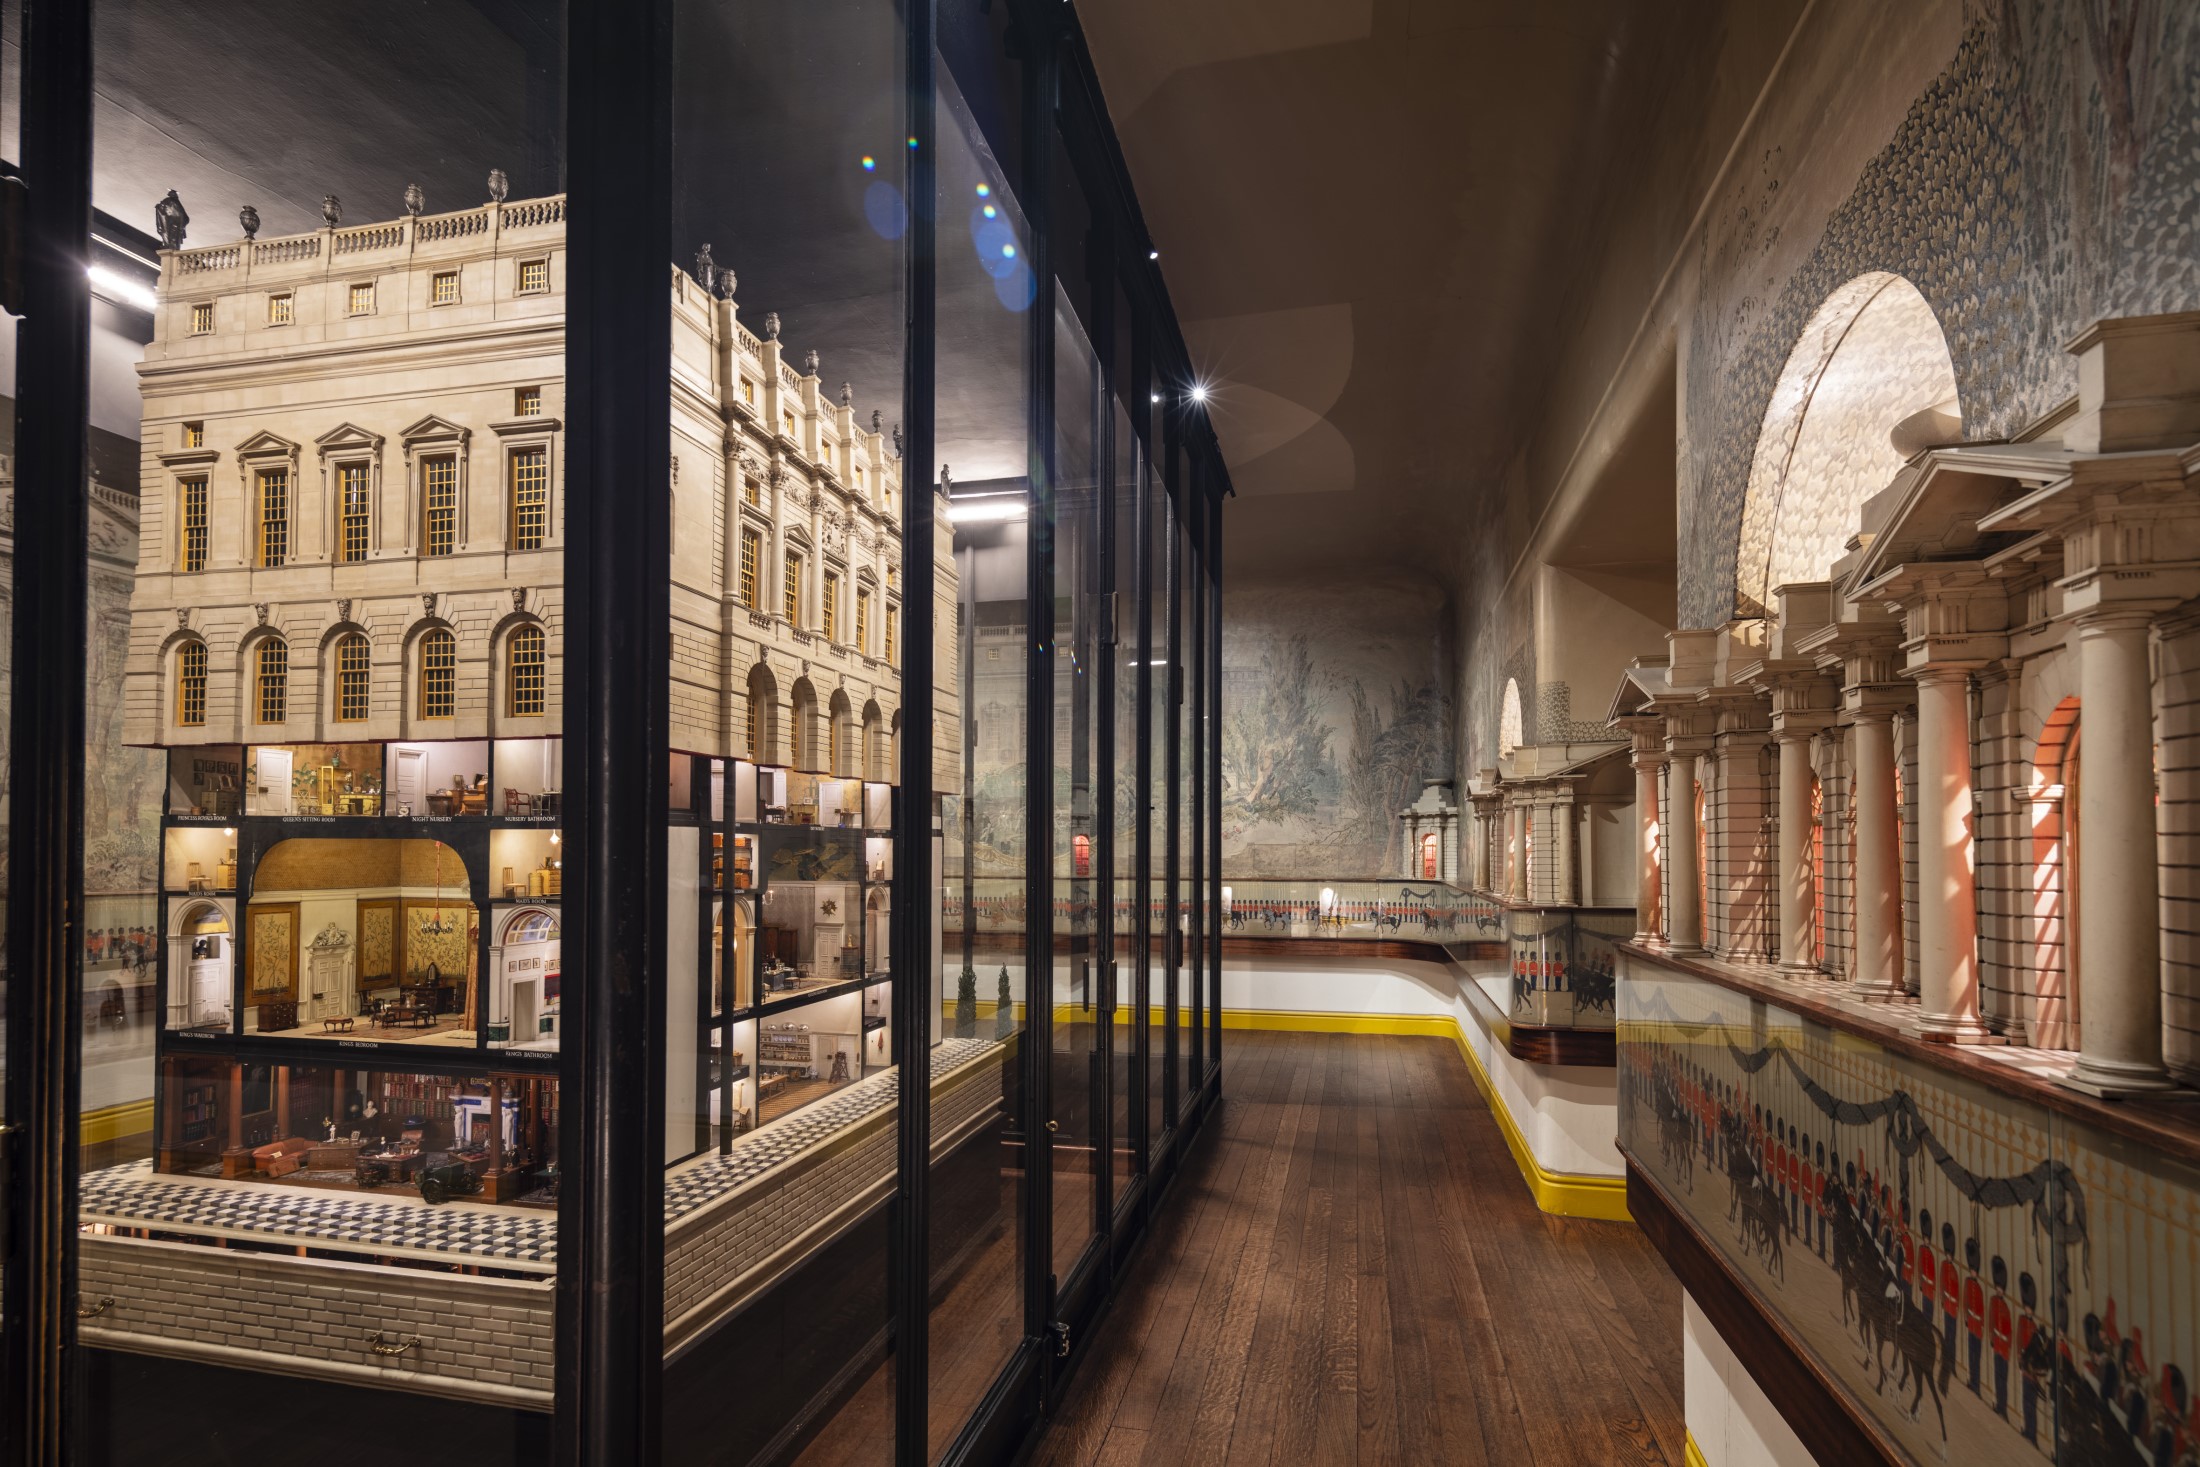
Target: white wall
{"type": "Point", "coordinates": [1731, 1420]}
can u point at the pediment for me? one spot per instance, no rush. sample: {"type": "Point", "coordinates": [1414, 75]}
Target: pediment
{"type": "Point", "coordinates": [264, 444]}
{"type": "Point", "coordinates": [1941, 505]}
{"type": "Point", "coordinates": [348, 436]}
{"type": "Point", "coordinates": [436, 429]}
{"type": "Point", "coordinates": [1642, 681]}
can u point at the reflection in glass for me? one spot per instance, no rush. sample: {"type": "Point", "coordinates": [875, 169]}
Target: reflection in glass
{"type": "Point", "coordinates": [1077, 1076]}
{"type": "Point", "coordinates": [978, 1177]}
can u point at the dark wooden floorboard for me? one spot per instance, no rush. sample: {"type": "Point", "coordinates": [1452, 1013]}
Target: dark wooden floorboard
{"type": "Point", "coordinates": [1352, 1271]}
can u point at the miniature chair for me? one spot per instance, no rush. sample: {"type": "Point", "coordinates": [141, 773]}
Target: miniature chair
{"type": "Point", "coordinates": [518, 802]}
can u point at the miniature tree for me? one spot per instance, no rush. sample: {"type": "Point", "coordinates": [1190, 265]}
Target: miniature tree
{"type": "Point", "coordinates": [1004, 1012]}
{"type": "Point", "coordinates": [966, 1003]}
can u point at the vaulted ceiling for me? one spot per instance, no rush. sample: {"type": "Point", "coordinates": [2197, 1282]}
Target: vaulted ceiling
{"type": "Point", "coordinates": [1378, 220]}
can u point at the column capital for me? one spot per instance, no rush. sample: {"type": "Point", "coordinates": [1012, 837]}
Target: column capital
{"type": "Point", "coordinates": [1943, 672]}
{"type": "Point", "coordinates": [2119, 616]}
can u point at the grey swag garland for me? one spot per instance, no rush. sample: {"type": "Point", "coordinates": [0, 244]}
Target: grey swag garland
{"type": "Point", "coordinates": [2051, 1189]}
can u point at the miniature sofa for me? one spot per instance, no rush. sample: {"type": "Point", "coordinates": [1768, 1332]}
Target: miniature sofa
{"type": "Point", "coordinates": [281, 1158]}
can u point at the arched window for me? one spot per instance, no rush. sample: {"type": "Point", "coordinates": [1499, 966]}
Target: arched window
{"type": "Point", "coordinates": [438, 674]}
{"type": "Point", "coordinates": [191, 684]}
{"type": "Point", "coordinates": [271, 682]}
{"type": "Point", "coordinates": [354, 660]}
{"type": "Point", "coordinates": [1510, 724]}
{"type": "Point", "coordinates": [832, 744]}
{"type": "Point", "coordinates": [1428, 856]}
{"type": "Point", "coordinates": [524, 669]}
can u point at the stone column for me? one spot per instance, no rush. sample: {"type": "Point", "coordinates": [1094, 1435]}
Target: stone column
{"type": "Point", "coordinates": [1798, 904]}
{"type": "Point", "coordinates": [1566, 889]}
{"type": "Point", "coordinates": [1947, 897]}
{"type": "Point", "coordinates": [1647, 769]}
{"type": "Point", "coordinates": [1878, 874]}
{"type": "Point", "coordinates": [1682, 879]}
{"type": "Point", "coordinates": [2119, 971]}
{"type": "Point", "coordinates": [1586, 891]}
{"type": "Point", "coordinates": [1516, 859]}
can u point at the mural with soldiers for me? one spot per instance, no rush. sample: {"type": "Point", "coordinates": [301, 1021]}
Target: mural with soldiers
{"type": "Point", "coordinates": [1990, 1279]}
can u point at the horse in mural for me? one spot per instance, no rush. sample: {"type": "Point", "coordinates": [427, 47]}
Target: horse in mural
{"type": "Point", "coordinates": [1676, 1130]}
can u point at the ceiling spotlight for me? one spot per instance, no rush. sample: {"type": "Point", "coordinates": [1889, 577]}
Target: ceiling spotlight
{"type": "Point", "coordinates": [986, 510]}
{"type": "Point", "coordinates": [120, 288]}
{"type": "Point", "coordinates": [1153, 254]}
{"type": "Point", "coordinates": [1199, 392]}
{"type": "Point", "coordinates": [1157, 397]}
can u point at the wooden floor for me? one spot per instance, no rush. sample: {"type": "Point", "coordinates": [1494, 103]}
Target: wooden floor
{"type": "Point", "coordinates": [1351, 1270]}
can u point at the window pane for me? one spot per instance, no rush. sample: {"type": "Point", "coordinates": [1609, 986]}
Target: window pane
{"type": "Point", "coordinates": [978, 1179]}
{"type": "Point", "coordinates": [788, 312]}
{"type": "Point", "coordinates": [307, 940]}
{"type": "Point", "coordinates": [1074, 1098]}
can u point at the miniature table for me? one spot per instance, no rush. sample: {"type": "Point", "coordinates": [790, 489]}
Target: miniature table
{"type": "Point", "coordinates": [341, 1024]}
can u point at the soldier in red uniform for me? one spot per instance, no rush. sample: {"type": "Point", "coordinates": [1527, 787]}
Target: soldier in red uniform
{"type": "Point", "coordinates": [2001, 1327]}
{"type": "Point", "coordinates": [1974, 1307]}
{"type": "Point", "coordinates": [1928, 1269]}
{"type": "Point", "coordinates": [1951, 1289]}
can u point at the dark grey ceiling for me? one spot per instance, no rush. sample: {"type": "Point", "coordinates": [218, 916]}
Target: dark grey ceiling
{"type": "Point", "coordinates": [1380, 221]}
{"type": "Point", "coordinates": [277, 102]}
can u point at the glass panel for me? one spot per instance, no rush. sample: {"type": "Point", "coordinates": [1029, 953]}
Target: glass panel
{"type": "Point", "coordinates": [1077, 1074]}
{"type": "Point", "coordinates": [1184, 682]}
{"type": "Point", "coordinates": [1160, 642]}
{"type": "Point", "coordinates": [324, 693]}
{"type": "Point", "coordinates": [1123, 799]}
{"type": "Point", "coordinates": [978, 1183]}
{"type": "Point", "coordinates": [11, 92]}
{"type": "Point", "coordinates": [789, 220]}
{"type": "Point", "coordinates": [1193, 832]}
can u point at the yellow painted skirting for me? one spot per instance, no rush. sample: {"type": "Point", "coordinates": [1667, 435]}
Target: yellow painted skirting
{"type": "Point", "coordinates": [1567, 1194]}
{"type": "Point", "coordinates": [134, 1118]}
{"type": "Point", "coordinates": [1691, 1453]}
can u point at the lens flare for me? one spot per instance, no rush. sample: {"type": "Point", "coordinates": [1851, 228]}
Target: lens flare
{"type": "Point", "coordinates": [869, 163]}
{"type": "Point", "coordinates": [990, 212]}
{"type": "Point", "coordinates": [1008, 252]}
{"type": "Point", "coordinates": [885, 210]}
{"type": "Point", "coordinates": [912, 142]}
{"type": "Point", "coordinates": [985, 190]}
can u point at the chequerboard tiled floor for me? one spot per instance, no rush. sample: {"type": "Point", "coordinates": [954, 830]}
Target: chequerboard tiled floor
{"type": "Point", "coordinates": [708, 1178]}
{"type": "Point", "coordinates": [400, 1224]}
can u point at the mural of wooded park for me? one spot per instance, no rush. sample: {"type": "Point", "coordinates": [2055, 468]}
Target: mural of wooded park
{"type": "Point", "coordinates": [1331, 720]}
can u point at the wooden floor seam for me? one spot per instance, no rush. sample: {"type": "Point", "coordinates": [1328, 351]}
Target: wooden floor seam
{"type": "Point", "coordinates": [1350, 1270]}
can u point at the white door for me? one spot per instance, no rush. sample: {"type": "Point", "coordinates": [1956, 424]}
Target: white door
{"type": "Point", "coordinates": [210, 987]}
{"type": "Point", "coordinates": [272, 792]}
{"type": "Point", "coordinates": [412, 780]}
{"type": "Point", "coordinates": [526, 1017]}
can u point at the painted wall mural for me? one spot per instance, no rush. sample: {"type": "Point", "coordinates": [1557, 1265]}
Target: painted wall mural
{"type": "Point", "coordinates": [2044, 180]}
{"type": "Point", "coordinates": [1992, 1280]}
{"type": "Point", "coordinates": [1334, 711]}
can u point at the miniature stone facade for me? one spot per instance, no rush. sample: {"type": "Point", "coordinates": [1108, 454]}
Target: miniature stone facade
{"type": "Point", "coordinates": [360, 430]}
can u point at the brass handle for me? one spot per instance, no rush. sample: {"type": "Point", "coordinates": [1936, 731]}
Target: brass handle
{"type": "Point", "coordinates": [381, 1344]}
{"type": "Point", "coordinates": [1053, 1126]}
{"type": "Point", "coordinates": [100, 1306]}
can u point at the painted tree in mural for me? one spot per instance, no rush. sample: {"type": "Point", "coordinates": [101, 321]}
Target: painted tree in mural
{"type": "Point", "coordinates": [1275, 745]}
{"type": "Point", "coordinates": [1389, 761]}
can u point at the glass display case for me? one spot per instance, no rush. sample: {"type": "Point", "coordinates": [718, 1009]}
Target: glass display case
{"type": "Point", "coordinates": [350, 428]}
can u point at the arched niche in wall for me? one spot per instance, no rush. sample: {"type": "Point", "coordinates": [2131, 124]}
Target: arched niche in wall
{"type": "Point", "coordinates": [1509, 720]}
{"type": "Point", "coordinates": [1869, 383]}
